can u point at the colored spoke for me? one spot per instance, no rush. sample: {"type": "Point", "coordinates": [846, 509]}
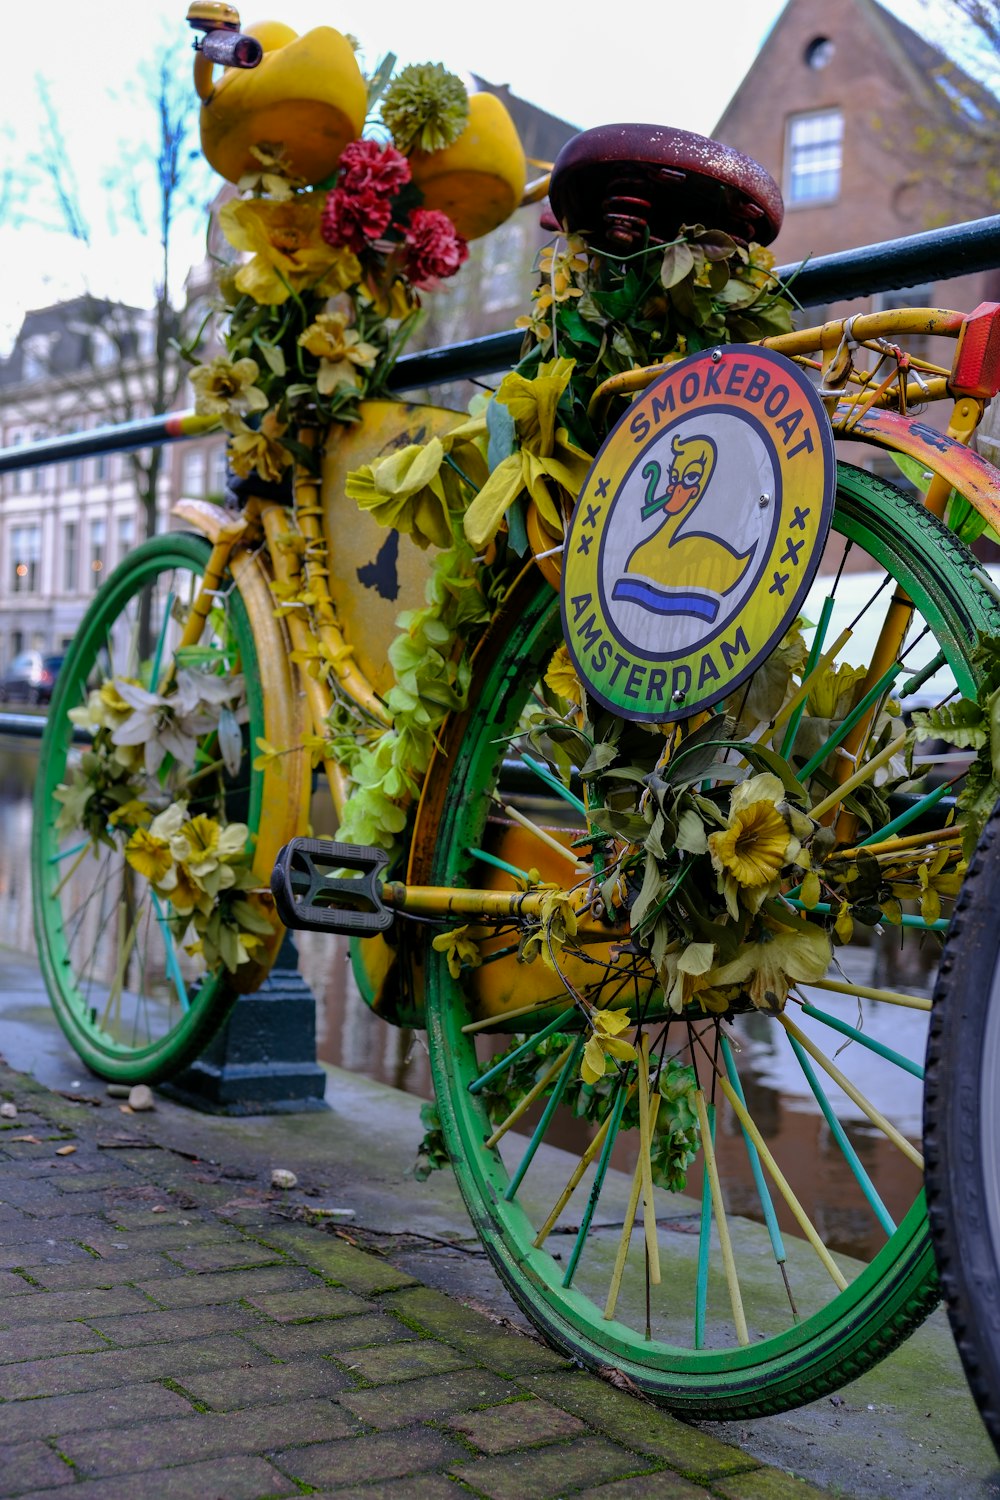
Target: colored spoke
{"type": "Point", "coordinates": [921, 806]}
{"type": "Point", "coordinates": [763, 1194]}
{"type": "Point", "coordinates": [646, 1161]}
{"type": "Point", "coordinates": [840, 1136]}
{"type": "Point", "coordinates": [560, 1023]}
{"type": "Point", "coordinates": [722, 1223]}
{"type": "Point", "coordinates": [863, 1103]}
{"type": "Point", "coordinates": [171, 953]}
{"type": "Point", "coordinates": [554, 783]}
{"type": "Point", "coordinates": [154, 676]}
{"type": "Point", "coordinates": [866, 772]}
{"type": "Point", "coordinates": [498, 864]}
{"type": "Point", "coordinates": [854, 717]}
{"type": "Point", "coordinates": [545, 838]}
{"type": "Point", "coordinates": [522, 1107]}
{"type": "Point", "coordinates": [913, 1068]}
{"type": "Point", "coordinates": [788, 743]}
{"type": "Point", "coordinates": [868, 992]}
{"type": "Point", "coordinates": [912, 684]}
{"type": "Point", "coordinates": [615, 1119]}
{"type": "Point", "coordinates": [625, 1242]}
{"type": "Point", "coordinates": [704, 1244]}
{"type": "Point", "coordinates": [575, 1178]}
{"type": "Point", "coordinates": [569, 1068]}
{"type": "Point", "coordinates": [799, 1213]}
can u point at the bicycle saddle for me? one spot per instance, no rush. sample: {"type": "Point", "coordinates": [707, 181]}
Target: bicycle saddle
{"type": "Point", "coordinates": [618, 182]}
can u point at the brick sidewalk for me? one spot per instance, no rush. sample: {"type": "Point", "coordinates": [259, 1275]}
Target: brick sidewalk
{"type": "Point", "coordinates": [166, 1330]}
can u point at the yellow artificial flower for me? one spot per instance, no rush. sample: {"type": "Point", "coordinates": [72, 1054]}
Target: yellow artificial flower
{"type": "Point", "coordinates": [416, 489]}
{"type": "Point", "coordinates": [789, 953]}
{"type": "Point", "coordinates": [133, 814]}
{"type": "Point", "coordinates": [832, 693]}
{"type": "Point", "coordinates": [560, 269]}
{"type": "Point", "coordinates": [341, 352]}
{"type": "Point", "coordinates": [606, 1042]}
{"type": "Point", "coordinates": [226, 389]}
{"type": "Point", "coordinates": [460, 950]}
{"type": "Point", "coordinates": [105, 707]}
{"type": "Point", "coordinates": [260, 452]}
{"type": "Point", "coordinates": [544, 455]}
{"type": "Point", "coordinates": [757, 843]}
{"type": "Point", "coordinates": [149, 855]}
{"type": "Point", "coordinates": [289, 252]}
{"type": "Point", "coordinates": [274, 175]}
{"type": "Point", "coordinates": [752, 847]}
{"type": "Point", "coordinates": [561, 678]}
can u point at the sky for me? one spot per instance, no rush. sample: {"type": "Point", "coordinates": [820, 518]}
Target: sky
{"type": "Point", "coordinates": [673, 62]}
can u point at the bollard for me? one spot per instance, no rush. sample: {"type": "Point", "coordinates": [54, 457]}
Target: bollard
{"type": "Point", "coordinates": [263, 1060]}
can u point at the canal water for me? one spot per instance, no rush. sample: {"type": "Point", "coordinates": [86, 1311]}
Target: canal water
{"type": "Point", "coordinates": [351, 1037]}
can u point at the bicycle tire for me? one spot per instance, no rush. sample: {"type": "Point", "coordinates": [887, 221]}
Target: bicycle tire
{"type": "Point", "coordinates": [961, 1139]}
{"type": "Point", "coordinates": [153, 1019]}
{"type": "Point", "coordinates": [792, 1361]}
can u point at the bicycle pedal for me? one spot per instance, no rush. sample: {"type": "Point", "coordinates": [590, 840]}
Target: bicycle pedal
{"type": "Point", "coordinates": [322, 886]}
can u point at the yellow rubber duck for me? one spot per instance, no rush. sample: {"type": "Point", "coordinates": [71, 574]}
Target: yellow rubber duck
{"type": "Point", "coordinates": [680, 570]}
{"type": "Point", "coordinates": [303, 102]}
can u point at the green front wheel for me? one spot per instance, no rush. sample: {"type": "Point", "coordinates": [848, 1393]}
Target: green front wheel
{"type": "Point", "coordinates": [134, 1002]}
{"type": "Point", "coordinates": [762, 1239]}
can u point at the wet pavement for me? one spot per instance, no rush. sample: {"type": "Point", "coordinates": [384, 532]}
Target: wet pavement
{"type": "Point", "coordinates": [173, 1325]}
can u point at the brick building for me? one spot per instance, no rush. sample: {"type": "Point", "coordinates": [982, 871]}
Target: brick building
{"type": "Point", "coordinates": [860, 121]}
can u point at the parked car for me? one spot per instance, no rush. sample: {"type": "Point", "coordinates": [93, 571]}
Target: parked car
{"type": "Point", "coordinates": [30, 677]}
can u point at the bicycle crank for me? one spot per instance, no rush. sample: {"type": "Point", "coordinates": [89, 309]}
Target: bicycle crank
{"type": "Point", "coordinates": [322, 886]}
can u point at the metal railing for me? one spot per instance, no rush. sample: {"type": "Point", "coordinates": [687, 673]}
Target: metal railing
{"type": "Point", "coordinates": [937, 255]}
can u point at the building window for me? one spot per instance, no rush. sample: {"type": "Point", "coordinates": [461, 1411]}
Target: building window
{"type": "Point", "coordinates": [98, 547]}
{"type": "Point", "coordinates": [74, 469]}
{"type": "Point", "coordinates": [819, 53]}
{"type": "Point", "coordinates": [71, 557]}
{"type": "Point", "coordinates": [26, 554]}
{"type": "Point", "coordinates": [193, 480]}
{"type": "Point", "coordinates": [19, 477]}
{"type": "Point", "coordinates": [125, 539]}
{"type": "Point", "coordinates": [100, 468]}
{"type": "Point", "coordinates": [814, 154]}
{"type": "Point", "coordinates": [217, 472]}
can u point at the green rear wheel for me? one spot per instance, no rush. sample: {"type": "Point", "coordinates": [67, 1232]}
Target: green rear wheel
{"type": "Point", "coordinates": [811, 1260]}
{"type": "Point", "coordinates": [133, 1002]}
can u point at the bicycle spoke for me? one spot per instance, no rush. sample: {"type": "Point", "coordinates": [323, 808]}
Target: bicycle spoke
{"type": "Point", "coordinates": [614, 1123]}
{"type": "Point", "coordinates": [861, 1037]}
{"type": "Point", "coordinates": [568, 1068]}
{"type": "Point", "coordinates": [868, 992]}
{"type": "Point", "coordinates": [877, 1118]}
{"type": "Point", "coordinates": [525, 1104]}
{"type": "Point", "coordinates": [840, 1136]}
{"type": "Point", "coordinates": [722, 1223]}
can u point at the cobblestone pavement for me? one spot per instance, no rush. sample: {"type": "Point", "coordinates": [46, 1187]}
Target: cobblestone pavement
{"type": "Point", "coordinates": [171, 1329]}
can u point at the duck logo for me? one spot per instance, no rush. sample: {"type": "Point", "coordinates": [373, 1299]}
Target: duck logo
{"type": "Point", "coordinates": [698, 533]}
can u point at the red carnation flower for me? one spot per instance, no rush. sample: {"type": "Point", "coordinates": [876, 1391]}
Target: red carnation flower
{"type": "Point", "coordinates": [367, 165]}
{"type": "Point", "coordinates": [354, 219]}
{"type": "Point", "coordinates": [434, 248]}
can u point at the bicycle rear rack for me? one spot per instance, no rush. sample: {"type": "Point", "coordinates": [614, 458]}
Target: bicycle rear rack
{"type": "Point", "coordinates": [322, 886]}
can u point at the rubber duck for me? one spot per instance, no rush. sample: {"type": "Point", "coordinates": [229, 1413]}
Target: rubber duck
{"type": "Point", "coordinates": [478, 181]}
{"type": "Point", "coordinates": [303, 102]}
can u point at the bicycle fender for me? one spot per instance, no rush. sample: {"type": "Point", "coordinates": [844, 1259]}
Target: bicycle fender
{"type": "Point", "coordinates": [967, 471]}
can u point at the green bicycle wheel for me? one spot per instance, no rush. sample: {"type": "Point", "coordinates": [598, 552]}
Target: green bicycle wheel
{"type": "Point", "coordinates": [131, 1000]}
{"type": "Point", "coordinates": [829, 1271]}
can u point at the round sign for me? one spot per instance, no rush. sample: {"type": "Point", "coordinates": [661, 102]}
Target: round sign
{"type": "Point", "coordinates": [697, 533]}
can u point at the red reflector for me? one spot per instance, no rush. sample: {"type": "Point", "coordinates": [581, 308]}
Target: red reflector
{"type": "Point", "coordinates": [976, 371]}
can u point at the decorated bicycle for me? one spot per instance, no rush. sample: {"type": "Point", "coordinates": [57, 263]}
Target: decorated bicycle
{"type": "Point", "coordinates": [619, 681]}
